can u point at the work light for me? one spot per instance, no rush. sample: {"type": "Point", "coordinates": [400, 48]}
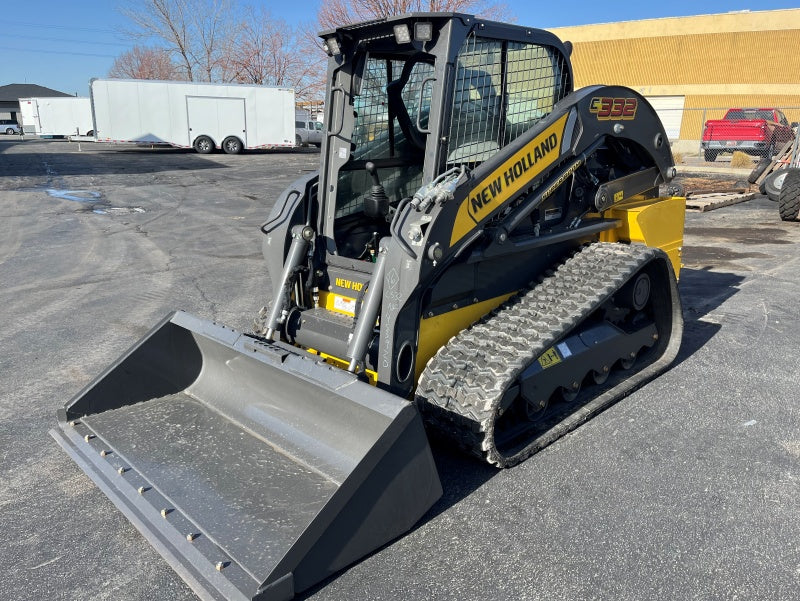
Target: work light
{"type": "Point", "coordinates": [401, 34]}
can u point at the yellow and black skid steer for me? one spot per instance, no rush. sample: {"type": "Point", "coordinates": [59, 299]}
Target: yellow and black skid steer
{"type": "Point", "coordinates": [483, 255]}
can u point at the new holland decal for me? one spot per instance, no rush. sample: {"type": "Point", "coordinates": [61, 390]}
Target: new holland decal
{"type": "Point", "coordinates": [509, 178]}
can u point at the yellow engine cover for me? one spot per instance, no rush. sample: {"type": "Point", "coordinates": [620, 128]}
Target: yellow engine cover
{"type": "Point", "coordinates": [655, 222]}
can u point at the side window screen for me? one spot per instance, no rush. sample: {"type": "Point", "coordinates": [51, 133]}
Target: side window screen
{"type": "Point", "coordinates": [536, 77]}
{"type": "Point", "coordinates": [501, 90]}
{"type": "Point", "coordinates": [475, 127]}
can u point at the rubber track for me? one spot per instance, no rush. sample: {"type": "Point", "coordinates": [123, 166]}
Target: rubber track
{"type": "Point", "coordinates": [461, 387]}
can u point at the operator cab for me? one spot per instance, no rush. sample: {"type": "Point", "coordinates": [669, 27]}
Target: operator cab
{"type": "Point", "coordinates": [413, 96]}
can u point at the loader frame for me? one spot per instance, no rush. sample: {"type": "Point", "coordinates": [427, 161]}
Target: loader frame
{"type": "Point", "coordinates": [458, 256]}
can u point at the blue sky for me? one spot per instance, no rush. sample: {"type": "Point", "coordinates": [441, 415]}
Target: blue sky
{"type": "Point", "coordinates": [61, 44]}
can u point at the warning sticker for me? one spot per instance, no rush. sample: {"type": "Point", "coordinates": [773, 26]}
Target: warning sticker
{"type": "Point", "coordinates": [345, 305]}
{"type": "Point", "coordinates": [549, 358]}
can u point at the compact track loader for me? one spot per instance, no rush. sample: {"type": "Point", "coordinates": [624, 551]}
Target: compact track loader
{"type": "Point", "coordinates": [483, 247]}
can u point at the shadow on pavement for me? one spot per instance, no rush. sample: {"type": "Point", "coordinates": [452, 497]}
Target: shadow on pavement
{"type": "Point", "coordinates": [59, 164]}
{"type": "Point", "coordinates": [101, 159]}
{"type": "Point", "coordinates": [702, 291]}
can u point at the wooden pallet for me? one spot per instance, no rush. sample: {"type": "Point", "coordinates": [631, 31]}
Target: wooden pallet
{"type": "Point", "coordinates": [779, 161]}
{"type": "Point", "coordinates": [715, 200]}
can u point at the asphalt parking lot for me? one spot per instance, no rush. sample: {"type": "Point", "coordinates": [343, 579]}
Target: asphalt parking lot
{"type": "Point", "coordinates": [687, 489]}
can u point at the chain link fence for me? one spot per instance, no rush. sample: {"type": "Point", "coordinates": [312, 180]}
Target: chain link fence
{"type": "Point", "coordinates": [694, 139]}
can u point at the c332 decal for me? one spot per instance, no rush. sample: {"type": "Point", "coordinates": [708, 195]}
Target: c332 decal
{"type": "Point", "coordinates": [616, 109]}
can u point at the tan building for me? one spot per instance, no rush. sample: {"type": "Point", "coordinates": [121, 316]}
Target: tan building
{"type": "Point", "coordinates": [695, 68]}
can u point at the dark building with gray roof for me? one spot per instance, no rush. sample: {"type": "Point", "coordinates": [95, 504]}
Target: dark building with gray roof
{"type": "Point", "coordinates": [10, 95]}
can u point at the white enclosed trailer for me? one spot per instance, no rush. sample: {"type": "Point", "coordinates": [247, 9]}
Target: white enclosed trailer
{"type": "Point", "coordinates": [202, 116]}
{"type": "Point", "coordinates": [60, 116]}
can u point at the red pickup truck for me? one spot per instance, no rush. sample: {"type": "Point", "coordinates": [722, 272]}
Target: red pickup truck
{"type": "Point", "coordinates": [761, 132]}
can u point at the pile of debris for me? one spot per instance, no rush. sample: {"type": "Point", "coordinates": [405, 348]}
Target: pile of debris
{"type": "Point", "coordinates": [769, 174]}
{"type": "Point", "coordinates": [705, 192]}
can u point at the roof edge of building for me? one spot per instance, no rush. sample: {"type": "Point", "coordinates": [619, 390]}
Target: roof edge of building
{"type": "Point", "coordinates": [764, 20]}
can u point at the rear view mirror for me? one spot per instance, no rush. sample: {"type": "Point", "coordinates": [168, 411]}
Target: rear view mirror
{"type": "Point", "coordinates": [358, 73]}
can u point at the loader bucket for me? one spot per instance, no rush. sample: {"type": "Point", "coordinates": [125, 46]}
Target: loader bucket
{"type": "Point", "coordinates": [255, 469]}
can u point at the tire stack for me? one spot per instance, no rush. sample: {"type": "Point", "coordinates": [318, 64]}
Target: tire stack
{"type": "Point", "coordinates": [769, 174]}
{"type": "Point", "coordinates": [789, 195]}
{"type": "Point", "coordinates": [773, 183]}
{"type": "Point", "coordinates": [758, 170]}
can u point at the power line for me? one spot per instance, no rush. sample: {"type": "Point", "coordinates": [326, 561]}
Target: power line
{"type": "Point", "coordinates": [69, 27]}
{"type": "Point", "coordinates": [57, 52]}
{"type": "Point", "coordinates": [44, 39]}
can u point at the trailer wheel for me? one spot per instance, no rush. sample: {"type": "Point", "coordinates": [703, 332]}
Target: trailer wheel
{"type": "Point", "coordinates": [789, 198]}
{"type": "Point", "coordinates": [710, 155]}
{"type": "Point", "coordinates": [232, 145]}
{"type": "Point", "coordinates": [773, 184]}
{"type": "Point", "coordinates": [204, 145]}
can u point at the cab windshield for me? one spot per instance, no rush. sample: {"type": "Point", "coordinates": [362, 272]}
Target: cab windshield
{"type": "Point", "coordinates": [392, 108]}
{"type": "Point", "coordinates": [391, 120]}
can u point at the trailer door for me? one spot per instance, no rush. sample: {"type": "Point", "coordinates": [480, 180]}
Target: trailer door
{"type": "Point", "coordinates": [30, 116]}
{"type": "Point", "coordinates": [217, 118]}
